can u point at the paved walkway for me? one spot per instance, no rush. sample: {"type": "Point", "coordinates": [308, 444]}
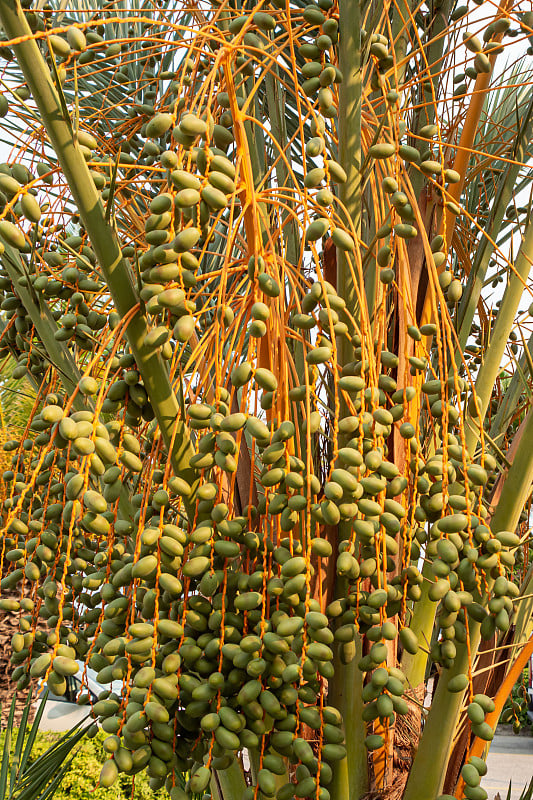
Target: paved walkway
{"type": "Point", "coordinates": [510, 759]}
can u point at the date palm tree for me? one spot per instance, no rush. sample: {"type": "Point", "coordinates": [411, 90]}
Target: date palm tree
{"type": "Point", "coordinates": [268, 265]}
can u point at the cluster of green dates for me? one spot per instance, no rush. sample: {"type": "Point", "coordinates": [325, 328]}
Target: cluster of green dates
{"type": "Point", "coordinates": [218, 657]}
{"type": "Point", "coordinates": [323, 170]}
{"type": "Point", "coordinates": [405, 227]}
{"type": "Point", "coordinates": [320, 74]}
{"type": "Point", "coordinates": [471, 773]}
{"type": "Point", "coordinates": [64, 277]}
{"type": "Point", "coordinates": [181, 220]}
{"type": "Point", "coordinates": [224, 679]}
{"type": "Point", "coordinates": [235, 668]}
{"type": "Point", "coordinates": [212, 674]}
{"type": "Point", "coordinates": [475, 768]}
{"type": "Point", "coordinates": [321, 77]}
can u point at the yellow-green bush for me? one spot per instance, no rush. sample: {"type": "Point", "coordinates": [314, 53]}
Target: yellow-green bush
{"type": "Point", "coordinates": [80, 780]}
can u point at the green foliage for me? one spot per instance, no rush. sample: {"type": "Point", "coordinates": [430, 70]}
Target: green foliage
{"type": "Point", "coordinates": [80, 780]}
{"type": "Point", "coordinates": [516, 707]}
{"type": "Point", "coordinates": [16, 398]}
{"type": "Point", "coordinates": [25, 774]}
{"type": "Point", "coordinates": [527, 794]}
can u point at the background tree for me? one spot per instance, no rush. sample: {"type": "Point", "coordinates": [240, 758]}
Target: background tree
{"type": "Point", "coordinates": [279, 465]}
{"type": "Point", "coordinates": [16, 403]}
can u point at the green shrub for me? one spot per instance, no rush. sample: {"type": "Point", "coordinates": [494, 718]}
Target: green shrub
{"type": "Point", "coordinates": [80, 781]}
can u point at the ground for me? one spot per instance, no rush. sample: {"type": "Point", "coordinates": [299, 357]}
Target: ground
{"type": "Point", "coordinates": [510, 759]}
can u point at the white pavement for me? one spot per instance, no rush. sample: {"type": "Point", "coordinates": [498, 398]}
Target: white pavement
{"type": "Point", "coordinates": [510, 759]}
